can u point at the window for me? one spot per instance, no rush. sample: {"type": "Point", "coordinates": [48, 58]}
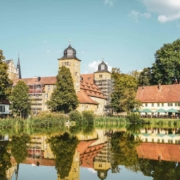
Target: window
{"type": "Point", "coordinates": [100, 76]}
{"type": "Point", "coordinates": [145, 104]}
{"type": "Point", "coordinates": [170, 104]}
{"type": "Point", "coordinates": [157, 104]}
{"type": "Point", "coordinates": [162, 104]}
{"type": "Point", "coordinates": [75, 73]}
{"type": "Point", "coordinates": [2, 108]}
{"type": "Point", "coordinates": [46, 95]}
{"type": "Point", "coordinates": [152, 104]}
{"type": "Point", "coordinates": [49, 87]}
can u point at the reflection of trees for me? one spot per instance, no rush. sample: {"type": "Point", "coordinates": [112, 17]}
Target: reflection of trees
{"type": "Point", "coordinates": [124, 151]}
{"type": "Point", "coordinates": [4, 161]}
{"type": "Point", "coordinates": [19, 148]}
{"type": "Point", "coordinates": [85, 128]}
{"type": "Point", "coordinates": [63, 147]}
{"type": "Point", "coordinates": [160, 170]}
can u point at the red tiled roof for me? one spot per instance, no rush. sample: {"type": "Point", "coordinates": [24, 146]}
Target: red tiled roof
{"type": "Point", "coordinates": [43, 80]}
{"type": "Point", "coordinates": [88, 78]}
{"type": "Point", "coordinates": [84, 98]}
{"type": "Point", "coordinates": [167, 152]}
{"type": "Point", "coordinates": [166, 93]}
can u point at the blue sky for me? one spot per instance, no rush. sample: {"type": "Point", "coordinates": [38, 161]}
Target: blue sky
{"type": "Point", "coordinates": [126, 33]}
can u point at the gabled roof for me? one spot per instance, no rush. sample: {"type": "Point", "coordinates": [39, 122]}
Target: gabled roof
{"type": "Point", "coordinates": [7, 61]}
{"type": "Point", "coordinates": [42, 80]}
{"type": "Point", "coordinates": [167, 152]}
{"type": "Point", "coordinates": [88, 86]}
{"type": "Point", "coordinates": [159, 93]}
{"type": "Point", "coordinates": [84, 98]}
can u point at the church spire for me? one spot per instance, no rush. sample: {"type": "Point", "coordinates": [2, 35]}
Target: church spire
{"type": "Point", "coordinates": [19, 68]}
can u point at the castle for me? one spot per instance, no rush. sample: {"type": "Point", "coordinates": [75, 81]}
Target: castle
{"type": "Point", "coordinates": [93, 90]}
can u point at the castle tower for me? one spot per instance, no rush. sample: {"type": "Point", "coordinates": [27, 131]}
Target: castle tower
{"type": "Point", "coordinates": [70, 61]}
{"type": "Point", "coordinates": [102, 78]}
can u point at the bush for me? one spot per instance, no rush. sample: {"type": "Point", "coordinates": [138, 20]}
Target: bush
{"type": "Point", "coordinates": [75, 116]}
{"type": "Point", "coordinates": [88, 116]}
{"type": "Point", "coordinates": [133, 118]}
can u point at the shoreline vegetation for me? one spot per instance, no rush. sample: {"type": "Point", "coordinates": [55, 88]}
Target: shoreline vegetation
{"type": "Point", "coordinates": [75, 122]}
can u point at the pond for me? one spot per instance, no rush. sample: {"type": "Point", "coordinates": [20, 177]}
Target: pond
{"type": "Point", "coordinates": [91, 152]}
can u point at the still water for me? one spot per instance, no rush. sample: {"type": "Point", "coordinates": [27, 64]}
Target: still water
{"type": "Point", "coordinates": [91, 152]}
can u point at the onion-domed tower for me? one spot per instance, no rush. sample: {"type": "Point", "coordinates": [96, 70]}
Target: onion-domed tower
{"type": "Point", "coordinates": [70, 60]}
{"type": "Point", "coordinates": [102, 78]}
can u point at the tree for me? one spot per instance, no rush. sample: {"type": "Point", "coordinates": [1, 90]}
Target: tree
{"type": "Point", "coordinates": [63, 147]}
{"type": "Point", "coordinates": [166, 69]}
{"type": "Point", "coordinates": [19, 148]}
{"type": "Point", "coordinates": [124, 92]}
{"type": "Point", "coordinates": [64, 98]}
{"type": "Point", "coordinates": [20, 100]}
{"type": "Point", "coordinates": [144, 78]}
{"type": "Point", "coordinates": [5, 82]}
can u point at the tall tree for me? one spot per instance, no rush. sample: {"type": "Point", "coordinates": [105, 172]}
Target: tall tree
{"type": "Point", "coordinates": [63, 147]}
{"type": "Point", "coordinates": [144, 78]}
{"type": "Point", "coordinates": [64, 98]}
{"type": "Point", "coordinates": [19, 148]}
{"type": "Point", "coordinates": [20, 100]}
{"type": "Point", "coordinates": [124, 92]}
{"type": "Point", "coordinates": [5, 82]}
{"type": "Point", "coordinates": [166, 69]}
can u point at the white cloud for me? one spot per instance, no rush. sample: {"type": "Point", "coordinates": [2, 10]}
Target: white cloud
{"type": "Point", "coordinates": [92, 170]}
{"type": "Point", "coordinates": [138, 15]}
{"type": "Point", "coordinates": [93, 66]}
{"type": "Point", "coordinates": [109, 2]}
{"type": "Point", "coordinates": [82, 52]}
{"type": "Point", "coordinates": [167, 10]}
{"type": "Point", "coordinates": [48, 51]}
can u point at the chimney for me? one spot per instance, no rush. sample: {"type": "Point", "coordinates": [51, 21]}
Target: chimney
{"type": "Point", "coordinates": [159, 86]}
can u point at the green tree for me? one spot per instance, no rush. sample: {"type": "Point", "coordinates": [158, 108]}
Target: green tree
{"type": "Point", "coordinates": [64, 98]}
{"type": "Point", "coordinates": [20, 100]}
{"type": "Point", "coordinates": [144, 78]}
{"type": "Point", "coordinates": [63, 147]}
{"type": "Point", "coordinates": [166, 69]}
{"type": "Point", "coordinates": [5, 160]}
{"type": "Point", "coordinates": [124, 92]}
{"type": "Point", "coordinates": [5, 82]}
{"type": "Point", "coordinates": [19, 147]}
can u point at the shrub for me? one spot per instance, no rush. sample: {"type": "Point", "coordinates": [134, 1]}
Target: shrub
{"type": "Point", "coordinates": [88, 116]}
{"type": "Point", "coordinates": [133, 118]}
{"type": "Point", "coordinates": [75, 116]}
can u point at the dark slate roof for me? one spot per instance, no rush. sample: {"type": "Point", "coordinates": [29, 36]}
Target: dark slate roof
{"type": "Point", "coordinates": [102, 67]}
{"type": "Point", "coordinates": [69, 53]}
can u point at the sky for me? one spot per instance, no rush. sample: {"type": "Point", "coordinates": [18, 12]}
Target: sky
{"type": "Point", "coordinates": [123, 33]}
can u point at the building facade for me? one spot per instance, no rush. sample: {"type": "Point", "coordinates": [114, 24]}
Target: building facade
{"type": "Point", "coordinates": [91, 96]}
{"type": "Point", "coordinates": [159, 97]}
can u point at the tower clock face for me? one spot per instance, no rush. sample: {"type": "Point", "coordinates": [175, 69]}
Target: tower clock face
{"type": "Point", "coordinates": [102, 67]}
{"type": "Point", "coordinates": [69, 52]}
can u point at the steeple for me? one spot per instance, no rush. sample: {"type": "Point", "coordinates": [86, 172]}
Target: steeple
{"type": "Point", "coordinates": [19, 68]}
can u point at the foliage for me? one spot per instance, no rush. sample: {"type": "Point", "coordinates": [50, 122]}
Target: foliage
{"type": "Point", "coordinates": [75, 116]}
{"type": "Point", "coordinates": [124, 92]}
{"type": "Point", "coordinates": [5, 82]}
{"type": "Point", "coordinates": [124, 150]}
{"type": "Point", "coordinates": [5, 163]}
{"type": "Point", "coordinates": [166, 68]}
{"type": "Point", "coordinates": [20, 100]}
{"type": "Point", "coordinates": [88, 116]}
{"type": "Point", "coordinates": [64, 98]}
{"type": "Point", "coordinates": [19, 147]}
{"type": "Point", "coordinates": [144, 78]}
{"type": "Point", "coordinates": [46, 115]}
{"type": "Point", "coordinates": [63, 146]}
{"type": "Point", "coordinates": [133, 118]}
{"type": "Point", "coordinates": [157, 169]}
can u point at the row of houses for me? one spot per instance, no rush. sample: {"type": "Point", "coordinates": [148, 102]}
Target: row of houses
{"type": "Point", "coordinates": [93, 90]}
